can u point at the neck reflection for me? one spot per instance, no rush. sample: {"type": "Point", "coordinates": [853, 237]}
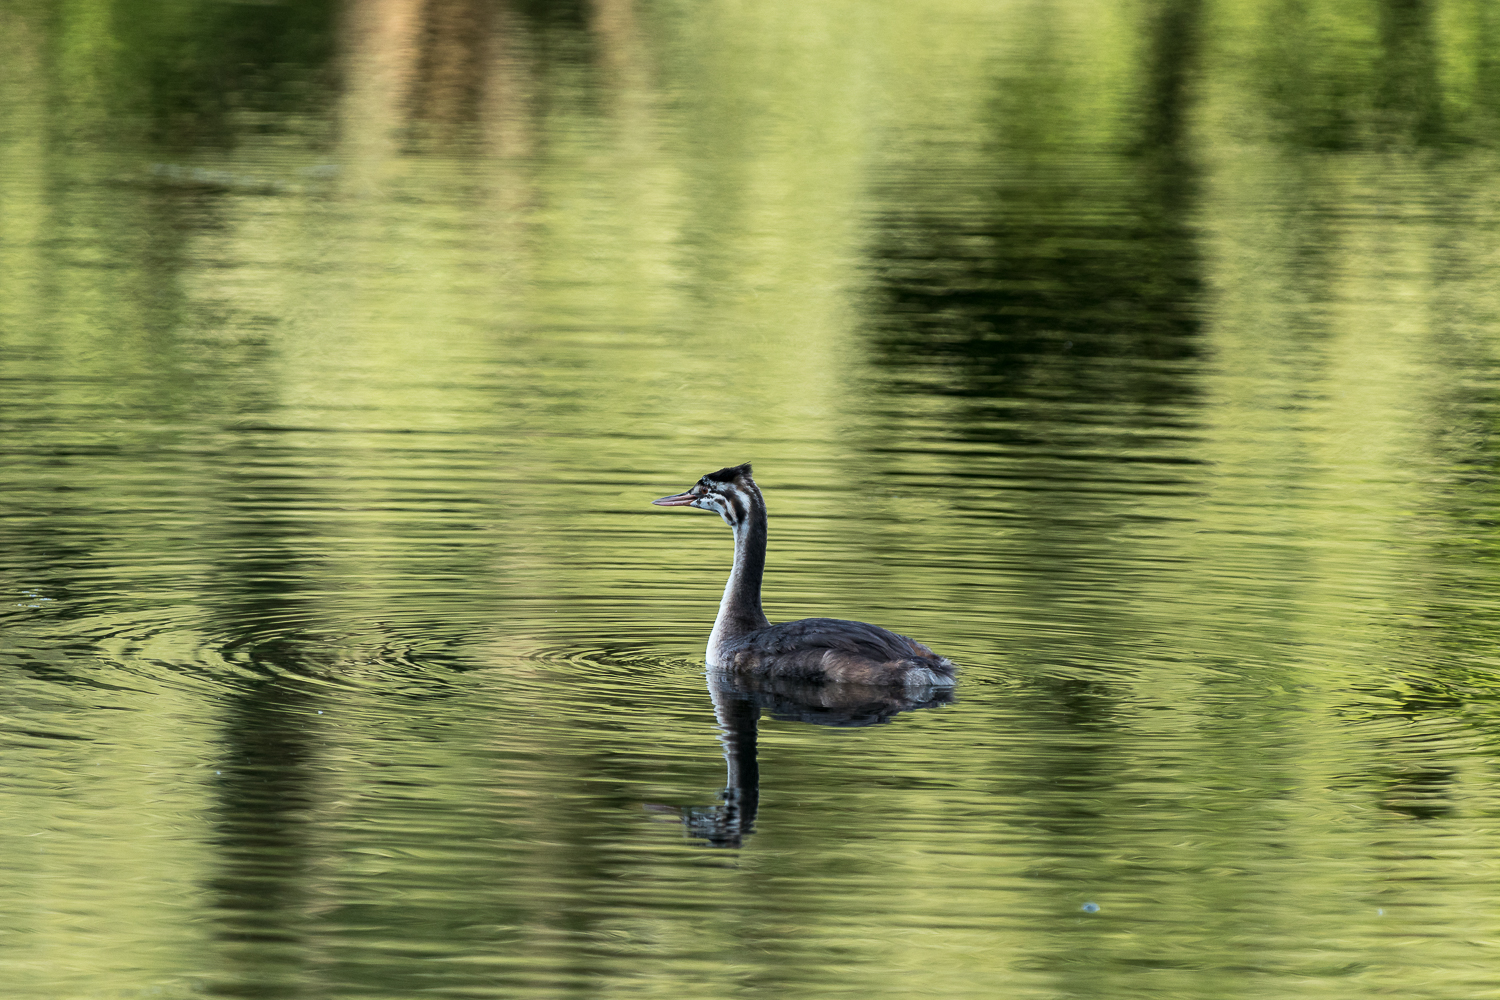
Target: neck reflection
{"type": "Point", "coordinates": [738, 702]}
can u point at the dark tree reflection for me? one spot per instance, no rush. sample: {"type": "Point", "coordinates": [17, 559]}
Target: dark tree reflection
{"type": "Point", "coordinates": [1075, 277]}
{"type": "Point", "coordinates": [1408, 95]}
{"type": "Point", "coordinates": [1379, 86]}
{"type": "Point", "coordinates": [266, 792]}
{"type": "Point", "coordinates": [268, 786]}
{"type": "Point", "coordinates": [1056, 326]}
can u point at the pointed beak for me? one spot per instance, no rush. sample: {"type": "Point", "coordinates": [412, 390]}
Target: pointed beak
{"type": "Point", "coordinates": [679, 500]}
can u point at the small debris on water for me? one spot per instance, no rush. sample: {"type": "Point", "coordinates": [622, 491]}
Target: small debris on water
{"type": "Point", "coordinates": [1090, 907]}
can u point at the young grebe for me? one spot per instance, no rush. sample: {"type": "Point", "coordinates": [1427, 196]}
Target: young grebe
{"type": "Point", "coordinates": [813, 649]}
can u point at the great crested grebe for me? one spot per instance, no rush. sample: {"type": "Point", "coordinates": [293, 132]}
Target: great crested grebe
{"type": "Point", "coordinates": [815, 649]}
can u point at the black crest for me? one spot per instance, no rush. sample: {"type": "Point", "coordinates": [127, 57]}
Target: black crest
{"type": "Point", "coordinates": [729, 474]}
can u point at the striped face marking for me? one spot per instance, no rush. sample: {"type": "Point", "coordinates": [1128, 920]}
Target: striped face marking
{"type": "Point", "coordinates": [730, 493]}
{"type": "Point", "coordinates": [729, 500]}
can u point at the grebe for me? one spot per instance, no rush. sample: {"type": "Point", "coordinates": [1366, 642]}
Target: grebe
{"type": "Point", "coordinates": [814, 649]}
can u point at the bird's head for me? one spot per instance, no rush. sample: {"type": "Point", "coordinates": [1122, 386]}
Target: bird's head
{"type": "Point", "coordinates": [730, 492]}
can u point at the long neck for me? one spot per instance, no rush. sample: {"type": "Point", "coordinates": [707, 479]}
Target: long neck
{"type": "Point", "coordinates": [739, 611]}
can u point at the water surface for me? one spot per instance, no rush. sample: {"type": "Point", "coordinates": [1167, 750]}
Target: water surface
{"type": "Point", "coordinates": [1142, 360]}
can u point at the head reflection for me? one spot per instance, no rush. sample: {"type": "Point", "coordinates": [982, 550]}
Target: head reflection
{"type": "Point", "coordinates": [738, 702]}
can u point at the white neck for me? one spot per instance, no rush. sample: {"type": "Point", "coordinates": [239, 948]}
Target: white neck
{"type": "Point", "coordinates": [739, 609]}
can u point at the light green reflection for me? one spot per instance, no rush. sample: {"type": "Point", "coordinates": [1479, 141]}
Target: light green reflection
{"type": "Point", "coordinates": [1138, 359]}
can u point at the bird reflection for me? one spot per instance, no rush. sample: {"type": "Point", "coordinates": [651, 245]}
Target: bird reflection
{"type": "Point", "coordinates": [738, 702]}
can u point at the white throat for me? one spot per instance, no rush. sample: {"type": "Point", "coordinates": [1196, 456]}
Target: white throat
{"type": "Point", "coordinates": [717, 637]}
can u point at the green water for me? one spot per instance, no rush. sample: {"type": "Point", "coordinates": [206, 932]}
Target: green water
{"type": "Point", "coordinates": [1142, 358]}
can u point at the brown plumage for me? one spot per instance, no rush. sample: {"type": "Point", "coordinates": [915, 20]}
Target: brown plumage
{"type": "Point", "coordinates": [813, 649]}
